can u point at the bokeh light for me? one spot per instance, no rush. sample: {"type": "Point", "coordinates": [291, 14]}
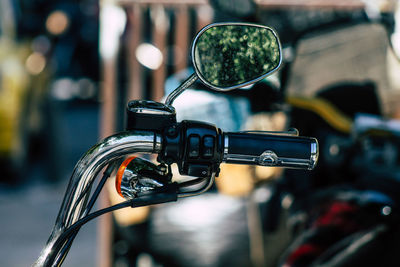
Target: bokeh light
{"type": "Point", "coordinates": [149, 56]}
{"type": "Point", "coordinates": [35, 63]}
{"type": "Point", "coordinates": [57, 22]}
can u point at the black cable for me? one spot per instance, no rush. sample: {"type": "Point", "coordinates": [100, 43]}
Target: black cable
{"type": "Point", "coordinates": [73, 229]}
{"type": "Point", "coordinates": [100, 186]}
{"type": "Point", "coordinates": [166, 194]}
{"type": "Point", "coordinates": [65, 249]}
{"type": "Point", "coordinates": [81, 196]}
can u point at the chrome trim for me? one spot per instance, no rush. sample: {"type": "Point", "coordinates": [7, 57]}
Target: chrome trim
{"type": "Point", "coordinates": [150, 107]}
{"type": "Point", "coordinates": [133, 183]}
{"type": "Point", "coordinates": [270, 158]}
{"type": "Point", "coordinates": [314, 154]}
{"type": "Point", "coordinates": [86, 170]}
{"type": "Point", "coordinates": [150, 111]}
{"type": "Point", "coordinates": [238, 158]}
{"type": "Point", "coordinates": [290, 132]}
{"type": "Point", "coordinates": [202, 190]}
{"type": "Point", "coordinates": [109, 149]}
{"type": "Point", "coordinates": [296, 163]}
{"type": "Point", "coordinates": [270, 161]}
{"type": "Point", "coordinates": [226, 144]}
{"type": "Point", "coordinates": [174, 94]}
{"type": "Point", "coordinates": [157, 143]}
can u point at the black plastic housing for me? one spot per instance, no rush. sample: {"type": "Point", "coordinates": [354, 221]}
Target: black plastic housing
{"type": "Point", "coordinates": [149, 115]}
{"type": "Point", "coordinates": [196, 147]}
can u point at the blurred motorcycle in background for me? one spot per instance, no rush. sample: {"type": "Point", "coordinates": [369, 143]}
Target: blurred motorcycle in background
{"type": "Point", "coordinates": [345, 212]}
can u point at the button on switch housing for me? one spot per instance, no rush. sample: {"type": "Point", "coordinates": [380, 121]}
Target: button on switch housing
{"type": "Point", "coordinates": [194, 146]}
{"type": "Point", "coordinates": [198, 170]}
{"type": "Point", "coordinates": [208, 146]}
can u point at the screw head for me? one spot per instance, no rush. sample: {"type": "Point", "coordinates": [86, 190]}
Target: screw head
{"type": "Point", "coordinates": [171, 131]}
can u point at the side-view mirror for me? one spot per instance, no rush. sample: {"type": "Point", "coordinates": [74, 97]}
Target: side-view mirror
{"type": "Point", "coordinates": [228, 56]}
{"type": "Point", "coordinates": [231, 55]}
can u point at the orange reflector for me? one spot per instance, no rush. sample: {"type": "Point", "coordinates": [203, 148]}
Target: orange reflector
{"type": "Point", "coordinates": [120, 174]}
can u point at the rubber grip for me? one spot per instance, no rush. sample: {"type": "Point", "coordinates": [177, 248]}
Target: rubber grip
{"type": "Point", "coordinates": [271, 150]}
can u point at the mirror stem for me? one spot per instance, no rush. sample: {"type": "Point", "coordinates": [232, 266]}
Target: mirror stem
{"type": "Point", "coordinates": [174, 94]}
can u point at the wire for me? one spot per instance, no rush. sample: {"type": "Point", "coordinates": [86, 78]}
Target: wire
{"type": "Point", "coordinates": [79, 199]}
{"type": "Point", "coordinates": [204, 188]}
{"type": "Point", "coordinates": [106, 174]}
{"type": "Point", "coordinates": [191, 182]}
{"type": "Point", "coordinates": [73, 229]}
{"type": "Point", "coordinates": [65, 249]}
{"type": "Point", "coordinates": [168, 194]}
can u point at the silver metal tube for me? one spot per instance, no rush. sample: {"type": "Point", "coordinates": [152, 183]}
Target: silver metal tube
{"type": "Point", "coordinates": [85, 172]}
{"type": "Point", "coordinates": [200, 191]}
{"type": "Point", "coordinates": [174, 94]}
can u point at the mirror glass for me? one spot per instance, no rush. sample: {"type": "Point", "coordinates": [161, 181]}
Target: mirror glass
{"type": "Point", "coordinates": [227, 56]}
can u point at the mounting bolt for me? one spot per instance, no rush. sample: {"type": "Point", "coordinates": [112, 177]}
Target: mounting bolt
{"type": "Point", "coordinates": [171, 131]}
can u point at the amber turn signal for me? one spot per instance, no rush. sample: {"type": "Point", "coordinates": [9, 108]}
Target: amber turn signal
{"type": "Point", "coordinates": [120, 174]}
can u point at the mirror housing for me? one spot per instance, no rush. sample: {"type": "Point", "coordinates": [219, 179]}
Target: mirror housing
{"type": "Point", "coordinates": [231, 55]}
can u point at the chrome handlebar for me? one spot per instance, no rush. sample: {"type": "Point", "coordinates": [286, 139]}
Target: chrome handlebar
{"type": "Point", "coordinates": [85, 172]}
{"type": "Point", "coordinates": [75, 204]}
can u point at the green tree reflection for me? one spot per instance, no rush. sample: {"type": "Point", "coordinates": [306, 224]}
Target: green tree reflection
{"type": "Point", "coordinates": [229, 55]}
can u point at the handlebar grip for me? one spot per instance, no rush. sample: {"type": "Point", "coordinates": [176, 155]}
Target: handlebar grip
{"type": "Point", "coordinates": [270, 150]}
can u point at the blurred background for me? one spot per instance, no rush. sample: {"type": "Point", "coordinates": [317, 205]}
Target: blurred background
{"type": "Point", "coordinates": [68, 68]}
{"type": "Point", "coordinates": [49, 86]}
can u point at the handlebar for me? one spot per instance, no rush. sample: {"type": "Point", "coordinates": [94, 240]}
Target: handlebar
{"type": "Point", "coordinates": [74, 205]}
{"type": "Point", "coordinates": [270, 150]}
{"type": "Point", "coordinates": [197, 147]}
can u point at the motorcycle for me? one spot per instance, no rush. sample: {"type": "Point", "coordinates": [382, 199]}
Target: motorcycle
{"type": "Point", "coordinates": [225, 56]}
